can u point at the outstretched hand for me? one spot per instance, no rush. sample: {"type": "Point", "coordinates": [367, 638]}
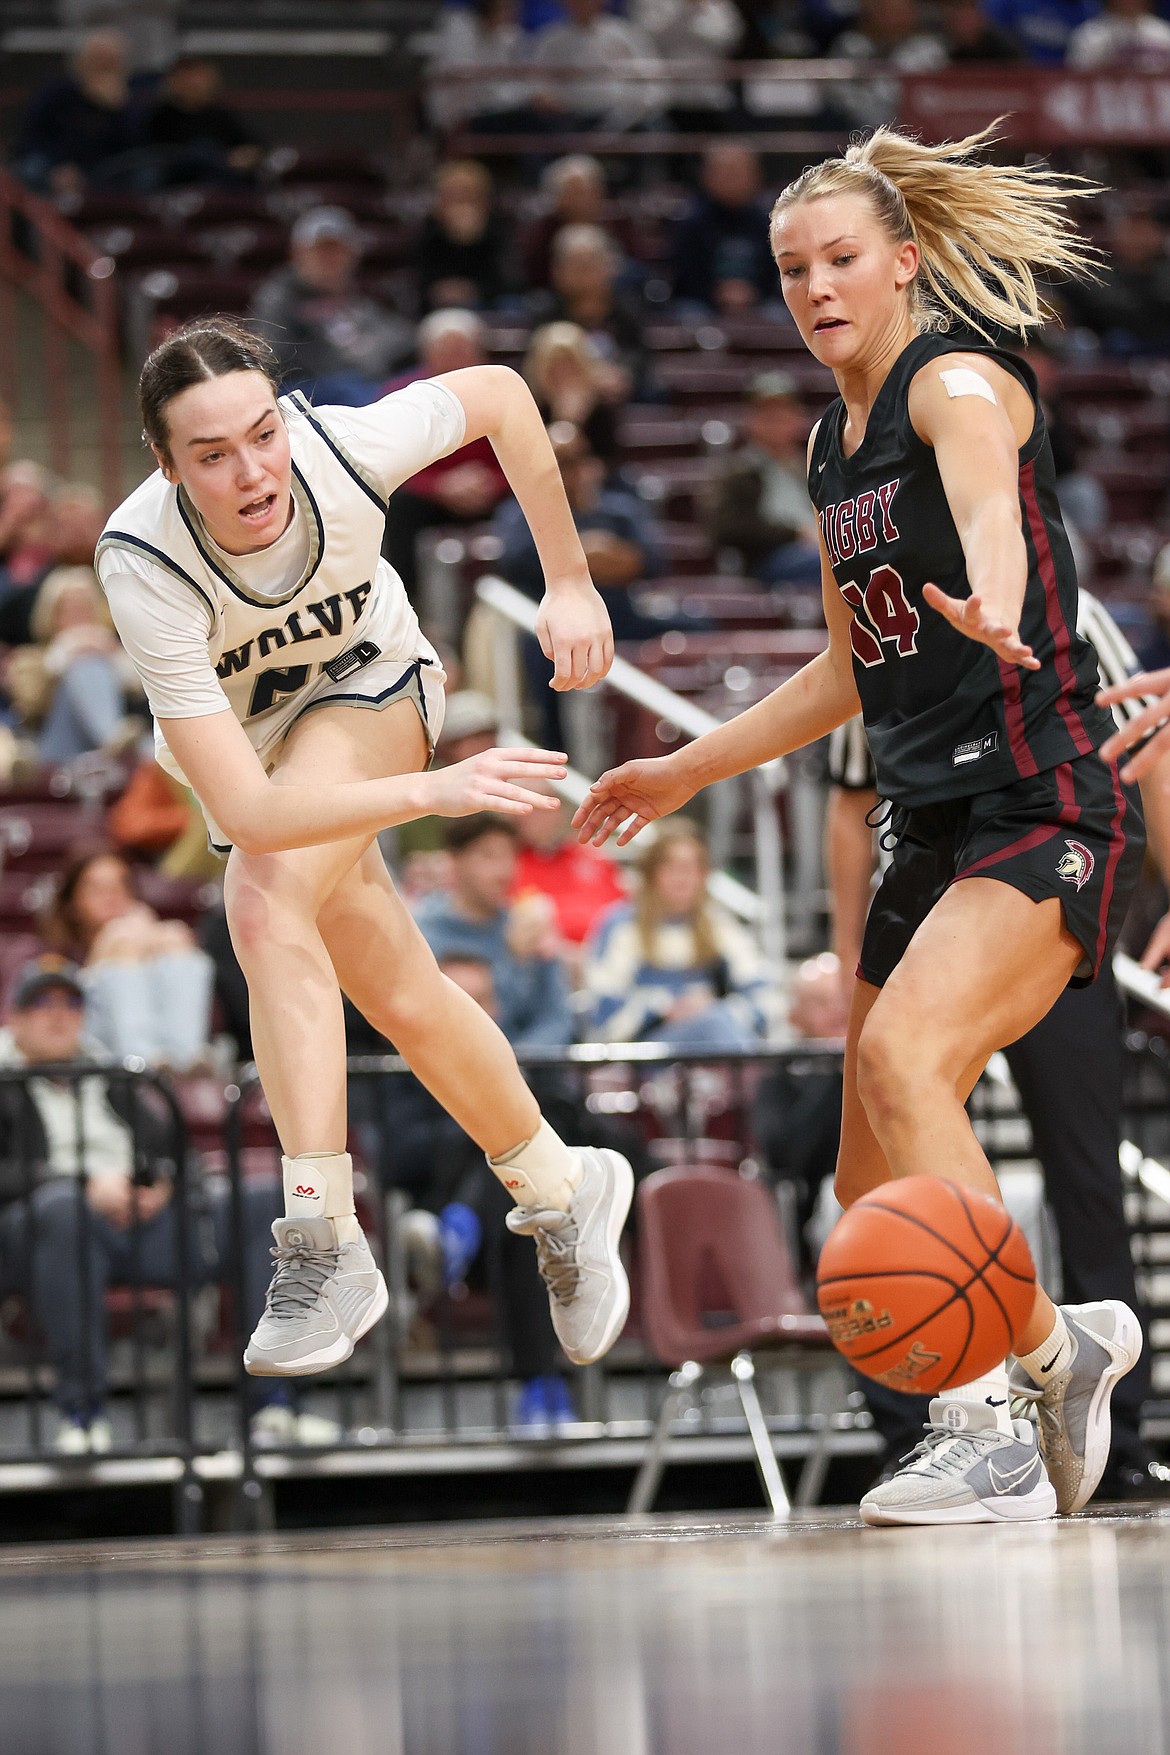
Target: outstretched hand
{"type": "Point", "coordinates": [633, 795]}
{"type": "Point", "coordinates": [971, 616]}
{"type": "Point", "coordinates": [572, 625]}
{"type": "Point", "coordinates": [494, 781]}
{"type": "Point", "coordinates": [1152, 686]}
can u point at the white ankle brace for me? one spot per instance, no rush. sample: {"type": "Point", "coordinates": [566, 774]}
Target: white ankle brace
{"type": "Point", "coordinates": [318, 1185]}
{"type": "Point", "coordinates": [540, 1172]}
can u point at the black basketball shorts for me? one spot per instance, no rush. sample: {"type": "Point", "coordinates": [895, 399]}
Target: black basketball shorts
{"type": "Point", "coordinates": [1076, 833]}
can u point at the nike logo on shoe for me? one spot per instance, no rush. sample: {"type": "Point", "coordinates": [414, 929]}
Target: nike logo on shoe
{"type": "Point", "coordinates": [993, 1403]}
{"type": "Point", "coordinates": [1008, 1480]}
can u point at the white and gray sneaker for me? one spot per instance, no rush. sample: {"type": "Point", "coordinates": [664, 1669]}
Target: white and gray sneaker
{"type": "Point", "coordinates": [1072, 1411]}
{"type": "Point", "coordinates": [323, 1298]}
{"type": "Point", "coordinates": [965, 1470]}
{"type": "Point", "coordinates": [577, 1254]}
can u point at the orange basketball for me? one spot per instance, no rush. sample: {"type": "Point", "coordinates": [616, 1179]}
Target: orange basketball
{"type": "Point", "coordinates": [924, 1285]}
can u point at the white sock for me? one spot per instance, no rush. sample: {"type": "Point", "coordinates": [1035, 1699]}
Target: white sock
{"type": "Point", "coordinates": [319, 1185]}
{"type": "Point", "coordinates": [990, 1390]}
{"type": "Point", "coordinates": [1052, 1356]}
{"type": "Point", "coordinates": [542, 1172]}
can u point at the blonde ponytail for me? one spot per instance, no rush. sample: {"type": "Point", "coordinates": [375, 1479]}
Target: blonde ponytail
{"type": "Point", "coordinates": [983, 230]}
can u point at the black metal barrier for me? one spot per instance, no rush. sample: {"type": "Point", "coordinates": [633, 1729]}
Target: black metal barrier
{"type": "Point", "coordinates": [432, 1389]}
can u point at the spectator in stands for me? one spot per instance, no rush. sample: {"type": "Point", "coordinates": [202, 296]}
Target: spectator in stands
{"type": "Point", "coordinates": [483, 39]}
{"type": "Point", "coordinates": [618, 534]}
{"type": "Point", "coordinates": [575, 188]}
{"type": "Point", "coordinates": [601, 46]}
{"type": "Point", "coordinates": [460, 489]}
{"type": "Point", "coordinates": [797, 1108]}
{"type": "Point", "coordinates": [27, 546]}
{"type": "Point", "coordinates": [147, 984]}
{"type": "Point", "coordinates": [1128, 307]}
{"type": "Point", "coordinates": [86, 1202]}
{"type": "Point", "coordinates": [672, 966]}
{"type": "Point", "coordinates": [79, 126]}
{"type": "Point", "coordinates": [463, 254]}
{"type": "Point", "coordinates": [571, 381]}
{"type": "Point", "coordinates": [332, 341]}
{"type": "Point", "coordinates": [520, 944]}
{"type": "Point", "coordinates": [193, 136]}
{"type": "Point", "coordinates": [699, 33]}
{"type": "Point", "coordinates": [970, 37]}
{"type": "Point", "coordinates": [428, 1155]}
{"type": "Point", "coordinates": [759, 505]}
{"type": "Point", "coordinates": [72, 522]}
{"type": "Point", "coordinates": [1084, 504]}
{"type": "Point", "coordinates": [891, 31]}
{"type": "Point", "coordinates": [1154, 650]}
{"type": "Point", "coordinates": [721, 257]}
{"type": "Point", "coordinates": [1041, 27]}
{"type": "Point", "coordinates": [585, 291]}
{"type": "Point", "coordinates": [69, 685]}
{"type": "Point", "coordinates": [1128, 34]}
{"type": "Point", "coordinates": [580, 882]}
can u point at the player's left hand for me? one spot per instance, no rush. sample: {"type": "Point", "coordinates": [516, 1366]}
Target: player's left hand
{"type": "Point", "coordinates": [1152, 724]}
{"type": "Point", "coordinates": [972, 617]}
{"type": "Point", "coordinates": [572, 625]}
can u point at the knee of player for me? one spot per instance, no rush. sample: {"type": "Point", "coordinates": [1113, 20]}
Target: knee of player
{"type": "Point", "coordinates": [886, 1068]}
{"type": "Point", "coordinates": [251, 901]}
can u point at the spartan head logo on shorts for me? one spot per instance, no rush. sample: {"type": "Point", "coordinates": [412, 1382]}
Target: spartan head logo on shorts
{"type": "Point", "coordinates": [1076, 866]}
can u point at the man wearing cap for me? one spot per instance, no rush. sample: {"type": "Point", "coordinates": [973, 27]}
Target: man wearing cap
{"type": "Point", "coordinates": [759, 505]}
{"type": "Point", "coordinates": [86, 1177]}
{"type": "Point", "coordinates": [332, 341]}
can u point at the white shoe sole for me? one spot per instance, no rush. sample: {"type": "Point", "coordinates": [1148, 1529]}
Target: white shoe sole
{"type": "Point", "coordinates": [1127, 1337]}
{"type": "Point", "coordinates": [336, 1353]}
{"type": "Point", "coordinates": [623, 1176]}
{"type": "Point", "coordinates": [1011, 1508]}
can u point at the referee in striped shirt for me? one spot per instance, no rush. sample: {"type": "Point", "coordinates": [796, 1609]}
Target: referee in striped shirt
{"type": "Point", "coordinates": [1075, 1122]}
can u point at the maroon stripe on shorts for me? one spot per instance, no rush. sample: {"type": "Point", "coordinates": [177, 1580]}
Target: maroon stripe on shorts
{"type": "Point", "coordinates": [1070, 810]}
{"type": "Point", "coordinates": [1116, 848]}
{"type": "Point", "coordinates": [1013, 713]}
{"type": "Point", "coordinates": [1057, 625]}
{"type": "Point", "coordinates": [1034, 837]}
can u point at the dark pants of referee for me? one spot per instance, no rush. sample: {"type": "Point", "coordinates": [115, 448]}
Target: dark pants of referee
{"type": "Point", "coordinates": [1069, 1073]}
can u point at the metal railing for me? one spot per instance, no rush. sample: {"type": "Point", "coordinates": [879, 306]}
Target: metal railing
{"type": "Point", "coordinates": [73, 289]}
{"type": "Point", "coordinates": [764, 906]}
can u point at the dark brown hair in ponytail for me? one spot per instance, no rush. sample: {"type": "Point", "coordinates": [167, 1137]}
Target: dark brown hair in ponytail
{"type": "Point", "coordinates": [207, 347]}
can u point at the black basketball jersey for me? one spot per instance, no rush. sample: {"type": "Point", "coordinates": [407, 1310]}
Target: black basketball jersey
{"type": "Point", "coordinates": [945, 717]}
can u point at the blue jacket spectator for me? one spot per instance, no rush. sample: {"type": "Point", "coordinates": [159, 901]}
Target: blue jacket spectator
{"type": "Point", "coordinates": [1041, 27]}
{"type": "Point", "coordinates": [474, 920]}
{"type": "Point", "coordinates": [722, 257]}
{"type": "Point", "coordinates": [670, 967]}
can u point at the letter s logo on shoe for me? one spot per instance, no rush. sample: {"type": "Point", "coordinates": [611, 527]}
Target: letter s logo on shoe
{"type": "Point", "coordinates": [310, 1190]}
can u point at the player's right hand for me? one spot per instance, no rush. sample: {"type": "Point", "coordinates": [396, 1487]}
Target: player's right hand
{"type": "Point", "coordinates": [495, 781]}
{"type": "Point", "coordinates": [635, 794]}
{"type": "Point", "coordinates": [1152, 686]}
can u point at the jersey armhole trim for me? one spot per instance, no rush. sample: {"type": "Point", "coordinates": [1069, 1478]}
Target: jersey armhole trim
{"type": "Point", "coordinates": [114, 539]}
{"type": "Point", "coordinates": [348, 463]}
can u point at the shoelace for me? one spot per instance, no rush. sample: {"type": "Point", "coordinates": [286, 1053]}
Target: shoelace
{"type": "Point", "coordinates": [1052, 1427]}
{"type": "Point", "coordinates": [300, 1274]}
{"type": "Point", "coordinates": [556, 1254]}
{"type": "Point", "coordinates": [940, 1452]}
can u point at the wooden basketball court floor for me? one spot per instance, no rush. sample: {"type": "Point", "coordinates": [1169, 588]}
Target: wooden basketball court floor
{"type": "Point", "coordinates": [665, 1636]}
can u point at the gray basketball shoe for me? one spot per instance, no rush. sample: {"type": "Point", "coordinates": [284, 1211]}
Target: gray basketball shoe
{"type": "Point", "coordinates": [577, 1254]}
{"type": "Point", "coordinates": [323, 1298]}
{"type": "Point", "coordinates": [1072, 1411]}
{"type": "Point", "coordinates": [965, 1470]}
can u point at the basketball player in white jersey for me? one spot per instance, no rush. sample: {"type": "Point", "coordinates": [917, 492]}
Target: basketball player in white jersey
{"type": "Point", "coordinates": [293, 690]}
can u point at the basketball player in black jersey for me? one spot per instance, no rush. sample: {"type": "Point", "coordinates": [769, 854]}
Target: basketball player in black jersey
{"type": "Point", "coordinates": [950, 599]}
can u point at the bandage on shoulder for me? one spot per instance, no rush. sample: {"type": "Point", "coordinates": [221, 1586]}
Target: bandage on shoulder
{"type": "Point", "coordinates": [962, 381]}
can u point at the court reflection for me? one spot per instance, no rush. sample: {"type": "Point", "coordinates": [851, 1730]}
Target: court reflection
{"type": "Point", "coordinates": [664, 1639]}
